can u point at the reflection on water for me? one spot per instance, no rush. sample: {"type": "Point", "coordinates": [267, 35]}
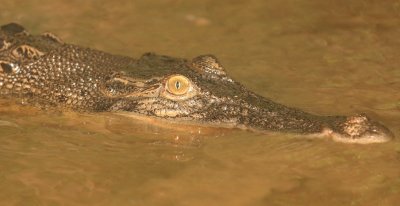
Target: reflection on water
{"type": "Point", "coordinates": [327, 57]}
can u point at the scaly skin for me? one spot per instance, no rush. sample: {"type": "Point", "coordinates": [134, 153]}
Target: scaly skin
{"type": "Point", "coordinates": [49, 73]}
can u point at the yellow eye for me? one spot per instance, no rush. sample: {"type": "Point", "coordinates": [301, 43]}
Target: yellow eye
{"type": "Point", "coordinates": [178, 85]}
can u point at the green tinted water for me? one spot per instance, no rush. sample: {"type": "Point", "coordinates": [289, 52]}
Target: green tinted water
{"type": "Point", "coordinates": [326, 57]}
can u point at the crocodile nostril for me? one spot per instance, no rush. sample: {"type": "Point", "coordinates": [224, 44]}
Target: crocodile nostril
{"type": "Point", "coordinates": [356, 125]}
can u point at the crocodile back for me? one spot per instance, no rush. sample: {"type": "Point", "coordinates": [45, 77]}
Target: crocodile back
{"type": "Point", "coordinates": [43, 68]}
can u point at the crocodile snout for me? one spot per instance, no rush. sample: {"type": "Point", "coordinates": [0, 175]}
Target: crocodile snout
{"type": "Point", "coordinates": [360, 129]}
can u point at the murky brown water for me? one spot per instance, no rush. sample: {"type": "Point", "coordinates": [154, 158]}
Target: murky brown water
{"type": "Point", "coordinates": [327, 57]}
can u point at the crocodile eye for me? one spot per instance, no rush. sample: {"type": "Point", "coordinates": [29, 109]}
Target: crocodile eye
{"type": "Point", "coordinates": [178, 85]}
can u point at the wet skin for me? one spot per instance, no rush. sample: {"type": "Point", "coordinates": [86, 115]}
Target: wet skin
{"type": "Point", "coordinates": [46, 72]}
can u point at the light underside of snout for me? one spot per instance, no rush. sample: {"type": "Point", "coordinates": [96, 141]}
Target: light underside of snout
{"type": "Point", "coordinates": [380, 135]}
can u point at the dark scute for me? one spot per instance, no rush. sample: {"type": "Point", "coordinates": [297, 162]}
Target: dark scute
{"type": "Point", "coordinates": [150, 56]}
{"type": "Point", "coordinates": [52, 37]}
{"type": "Point", "coordinates": [208, 63]}
{"type": "Point", "coordinates": [7, 68]}
{"type": "Point", "coordinates": [205, 57]}
{"type": "Point", "coordinates": [12, 28]}
{"type": "Point", "coordinates": [1, 43]}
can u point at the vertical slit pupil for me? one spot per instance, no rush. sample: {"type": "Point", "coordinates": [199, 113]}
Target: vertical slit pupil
{"type": "Point", "coordinates": [177, 85]}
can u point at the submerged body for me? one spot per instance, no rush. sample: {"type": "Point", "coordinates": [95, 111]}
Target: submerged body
{"type": "Point", "coordinates": [44, 71]}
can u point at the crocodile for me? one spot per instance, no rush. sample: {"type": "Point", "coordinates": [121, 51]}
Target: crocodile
{"type": "Point", "coordinates": [44, 71]}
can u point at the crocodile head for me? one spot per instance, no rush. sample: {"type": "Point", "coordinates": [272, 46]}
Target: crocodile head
{"type": "Point", "coordinates": [199, 91]}
{"type": "Point", "coordinates": [45, 69]}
